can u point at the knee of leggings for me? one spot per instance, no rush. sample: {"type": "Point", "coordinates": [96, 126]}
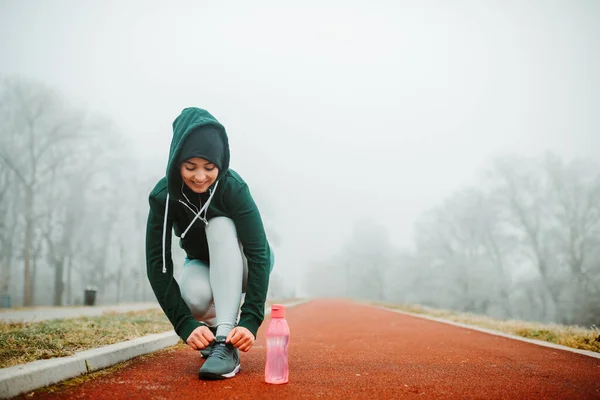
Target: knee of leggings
{"type": "Point", "coordinates": [200, 306]}
{"type": "Point", "coordinates": [219, 230]}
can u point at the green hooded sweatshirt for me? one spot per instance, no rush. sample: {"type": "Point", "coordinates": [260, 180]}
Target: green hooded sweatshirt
{"type": "Point", "coordinates": [229, 196]}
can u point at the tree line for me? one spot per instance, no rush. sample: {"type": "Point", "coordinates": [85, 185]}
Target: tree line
{"type": "Point", "coordinates": [524, 242]}
{"type": "Point", "coordinates": [71, 202]}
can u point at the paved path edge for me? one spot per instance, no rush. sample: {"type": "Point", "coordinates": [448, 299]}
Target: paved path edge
{"type": "Point", "coordinates": [588, 353]}
{"type": "Point", "coordinates": [37, 374]}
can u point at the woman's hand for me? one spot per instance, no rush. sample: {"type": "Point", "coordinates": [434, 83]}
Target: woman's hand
{"type": "Point", "coordinates": [241, 338]}
{"type": "Point", "coordinates": [200, 338]}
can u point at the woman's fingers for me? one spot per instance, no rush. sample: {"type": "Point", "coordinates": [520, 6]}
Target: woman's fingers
{"type": "Point", "coordinates": [194, 343]}
{"type": "Point", "coordinates": [200, 338]}
{"type": "Point", "coordinates": [246, 346]}
{"type": "Point", "coordinates": [191, 344]}
{"type": "Point", "coordinates": [232, 336]}
{"type": "Point", "coordinates": [236, 336]}
{"type": "Point", "coordinates": [241, 338]}
{"type": "Point", "coordinates": [208, 334]}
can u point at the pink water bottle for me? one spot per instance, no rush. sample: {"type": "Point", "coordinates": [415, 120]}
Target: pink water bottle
{"type": "Point", "coordinates": [278, 340]}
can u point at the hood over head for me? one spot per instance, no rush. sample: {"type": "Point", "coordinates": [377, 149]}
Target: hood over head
{"type": "Point", "coordinates": [196, 133]}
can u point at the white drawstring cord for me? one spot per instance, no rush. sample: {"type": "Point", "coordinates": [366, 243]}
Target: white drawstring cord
{"type": "Point", "coordinates": [199, 214]}
{"type": "Point", "coordinates": [164, 238]}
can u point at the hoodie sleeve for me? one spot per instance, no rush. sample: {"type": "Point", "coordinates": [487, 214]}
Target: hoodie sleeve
{"type": "Point", "coordinates": [251, 233]}
{"type": "Point", "coordinates": [164, 285]}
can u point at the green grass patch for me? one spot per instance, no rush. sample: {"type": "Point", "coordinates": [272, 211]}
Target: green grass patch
{"type": "Point", "coordinates": [566, 335]}
{"type": "Point", "coordinates": [25, 342]}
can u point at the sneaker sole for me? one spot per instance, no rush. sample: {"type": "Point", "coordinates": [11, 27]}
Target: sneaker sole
{"type": "Point", "coordinates": [209, 376]}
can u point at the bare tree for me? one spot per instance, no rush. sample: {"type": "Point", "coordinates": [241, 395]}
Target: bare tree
{"type": "Point", "coordinates": [464, 244]}
{"type": "Point", "coordinates": [38, 127]}
{"type": "Point", "coordinates": [9, 200]}
{"type": "Point", "coordinates": [576, 210]}
{"type": "Point", "coordinates": [90, 163]}
{"type": "Point", "coordinates": [523, 189]}
{"type": "Point", "coordinates": [576, 188]}
{"type": "Point", "coordinates": [67, 166]}
{"type": "Point", "coordinates": [58, 234]}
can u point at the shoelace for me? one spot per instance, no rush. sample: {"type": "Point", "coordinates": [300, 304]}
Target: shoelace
{"type": "Point", "coordinates": [220, 350]}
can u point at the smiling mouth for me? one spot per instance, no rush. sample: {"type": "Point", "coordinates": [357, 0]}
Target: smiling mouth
{"type": "Point", "coordinates": [199, 183]}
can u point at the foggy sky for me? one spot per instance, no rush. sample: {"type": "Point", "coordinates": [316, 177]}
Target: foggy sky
{"type": "Point", "coordinates": [369, 109]}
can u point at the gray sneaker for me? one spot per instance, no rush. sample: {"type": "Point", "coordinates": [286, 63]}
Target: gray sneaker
{"type": "Point", "coordinates": [222, 363]}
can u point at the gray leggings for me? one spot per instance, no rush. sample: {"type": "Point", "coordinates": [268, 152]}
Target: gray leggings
{"type": "Point", "coordinates": [214, 294]}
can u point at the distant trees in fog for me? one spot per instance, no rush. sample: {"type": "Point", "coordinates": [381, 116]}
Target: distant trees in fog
{"type": "Point", "coordinates": [523, 243]}
{"type": "Point", "coordinates": [68, 200]}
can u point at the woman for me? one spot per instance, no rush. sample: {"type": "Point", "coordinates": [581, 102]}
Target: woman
{"type": "Point", "coordinates": [219, 225]}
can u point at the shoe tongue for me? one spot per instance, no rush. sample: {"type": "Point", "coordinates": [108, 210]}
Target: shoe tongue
{"type": "Point", "coordinates": [221, 349]}
{"type": "Point", "coordinates": [221, 339]}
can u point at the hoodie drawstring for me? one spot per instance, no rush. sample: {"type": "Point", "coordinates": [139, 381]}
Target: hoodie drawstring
{"type": "Point", "coordinates": [164, 242]}
{"type": "Point", "coordinates": [197, 215]}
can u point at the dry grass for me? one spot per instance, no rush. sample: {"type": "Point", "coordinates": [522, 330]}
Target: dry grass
{"type": "Point", "coordinates": [571, 336]}
{"type": "Point", "coordinates": [24, 342]}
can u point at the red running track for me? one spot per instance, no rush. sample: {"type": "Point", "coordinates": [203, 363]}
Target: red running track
{"type": "Point", "coordinates": [340, 349]}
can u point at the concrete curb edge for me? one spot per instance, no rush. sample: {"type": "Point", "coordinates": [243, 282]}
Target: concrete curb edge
{"type": "Point", "coordinates": [23, 378]}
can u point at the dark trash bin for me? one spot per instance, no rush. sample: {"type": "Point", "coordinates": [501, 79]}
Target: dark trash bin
{"type": "Point", "coordinates": [89, 297]}
{"type": "Point", "coordinates": [6, 301]}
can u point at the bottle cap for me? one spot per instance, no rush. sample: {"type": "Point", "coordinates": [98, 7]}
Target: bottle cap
{"type": "Point", "coordinates": [277, 311]}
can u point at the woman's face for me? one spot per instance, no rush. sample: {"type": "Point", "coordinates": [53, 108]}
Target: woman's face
{"type": "Point", "coordinates": [198, 174]}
